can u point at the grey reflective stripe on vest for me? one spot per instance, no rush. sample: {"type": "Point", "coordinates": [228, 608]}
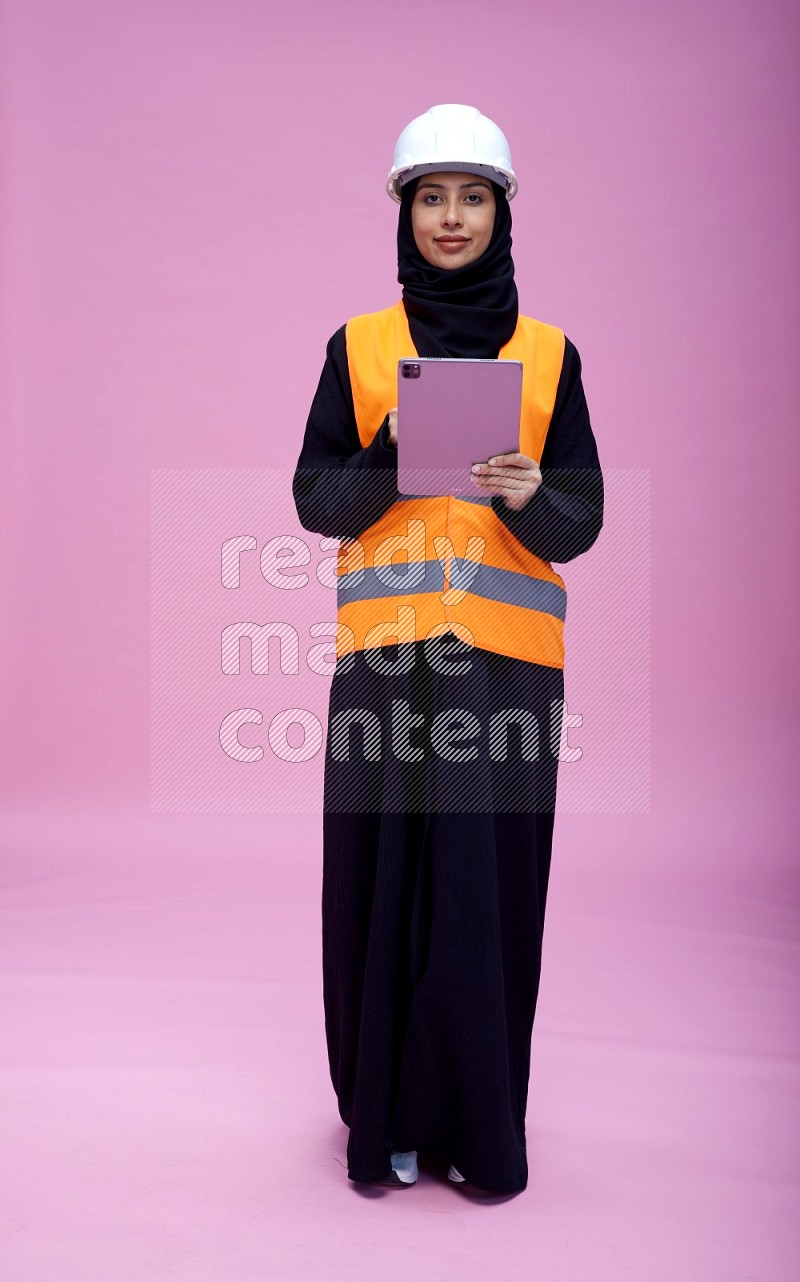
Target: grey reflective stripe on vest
{"type": "Point", "coordinates": [512, 588]}
{"type": "Point", "coordinates": [390, 580]}
{"type": "Point", "coordinates": [487, 581]}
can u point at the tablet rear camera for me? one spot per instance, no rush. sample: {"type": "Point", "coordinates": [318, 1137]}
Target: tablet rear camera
{"type": "Point", "coordinates": [411, 371]}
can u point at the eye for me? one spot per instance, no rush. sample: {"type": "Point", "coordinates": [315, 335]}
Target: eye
{"type": "Point", "coordinates": [429, 196]}
{"type": "Point", "coordinates": [475, 197]}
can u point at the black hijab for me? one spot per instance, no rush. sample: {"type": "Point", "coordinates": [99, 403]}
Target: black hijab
{"type": "Point", "coordinates": [461, 311]}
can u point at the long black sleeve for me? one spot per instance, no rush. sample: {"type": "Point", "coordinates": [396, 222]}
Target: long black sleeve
{"type": "Point", "coordinates": [565, 515]}
{"type": "Point", "coordinates": [340, 487]}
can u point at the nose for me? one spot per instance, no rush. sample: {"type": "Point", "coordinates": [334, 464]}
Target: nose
{"type": "Point", "coordinates": [451, 216]}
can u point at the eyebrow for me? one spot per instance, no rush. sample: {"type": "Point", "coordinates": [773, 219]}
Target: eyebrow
{"type": "Point", "coordinates": [441, 187]}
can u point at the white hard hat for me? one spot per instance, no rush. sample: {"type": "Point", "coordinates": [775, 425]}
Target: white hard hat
{"type": "Point", "coordinates": [452, 138]}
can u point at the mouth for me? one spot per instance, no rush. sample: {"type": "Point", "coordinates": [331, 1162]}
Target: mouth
{"type": "Point", "coordinates": [451, 244]}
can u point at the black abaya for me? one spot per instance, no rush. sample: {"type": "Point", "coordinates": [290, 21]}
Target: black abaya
{"type": "Point", "coordinates": [433, 910]}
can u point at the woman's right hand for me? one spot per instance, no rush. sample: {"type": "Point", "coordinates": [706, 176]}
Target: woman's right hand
{"type": "Point", "coordinates": [393, 427]}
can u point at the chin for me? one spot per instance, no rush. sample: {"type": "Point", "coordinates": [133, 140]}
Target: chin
{"type": "Point", "coordinates": [452, 260]}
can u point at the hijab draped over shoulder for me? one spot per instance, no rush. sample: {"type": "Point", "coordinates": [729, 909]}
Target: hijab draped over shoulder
{"type": "Point", "coordinates": [468, 311]}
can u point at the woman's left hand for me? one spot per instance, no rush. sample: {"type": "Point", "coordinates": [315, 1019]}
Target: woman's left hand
{"type": "Point", "coordinates": [514, 476]}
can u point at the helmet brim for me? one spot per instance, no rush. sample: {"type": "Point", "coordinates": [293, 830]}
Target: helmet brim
{"type": "Point", "coordinates": [401, 174]}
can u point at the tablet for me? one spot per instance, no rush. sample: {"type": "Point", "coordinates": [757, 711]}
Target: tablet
{"type": "Point", "coordinates": [452, 413]}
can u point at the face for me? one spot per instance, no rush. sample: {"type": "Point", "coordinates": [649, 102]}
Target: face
{"type": "Point", "coordinates": [452, 216]}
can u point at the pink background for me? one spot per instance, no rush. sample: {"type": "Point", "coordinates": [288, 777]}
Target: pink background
{"type": "Point", "coordinates": [193, 202]}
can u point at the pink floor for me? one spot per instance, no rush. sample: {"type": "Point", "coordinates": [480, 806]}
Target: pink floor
{"type": "Point", "coordinates": [168, 1113]}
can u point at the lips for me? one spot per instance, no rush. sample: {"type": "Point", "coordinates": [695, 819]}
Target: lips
{"type": "Point", "coordinates": [451, 244]}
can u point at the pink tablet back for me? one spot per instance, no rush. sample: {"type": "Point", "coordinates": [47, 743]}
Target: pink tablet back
{"type": "Point", "coordinates": [450, 414]}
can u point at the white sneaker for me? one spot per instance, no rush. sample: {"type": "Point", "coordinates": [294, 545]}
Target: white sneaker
{"type": "Point", "coordinates": [406, 1166]}
{"type": "Point", "coordinates": [455, 1176]}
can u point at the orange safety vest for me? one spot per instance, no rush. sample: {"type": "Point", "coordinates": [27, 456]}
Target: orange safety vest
{"type": "Point", "coordinates": [466, 573]}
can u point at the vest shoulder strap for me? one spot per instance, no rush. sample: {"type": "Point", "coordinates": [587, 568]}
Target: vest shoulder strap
{"type": "Point", "coordinates": [372, 341]}
{"type": "Point", "coordinates": [540, 347]}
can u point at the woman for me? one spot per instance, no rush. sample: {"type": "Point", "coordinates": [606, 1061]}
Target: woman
{"type": "Point", "coordinates": [436, 858]}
